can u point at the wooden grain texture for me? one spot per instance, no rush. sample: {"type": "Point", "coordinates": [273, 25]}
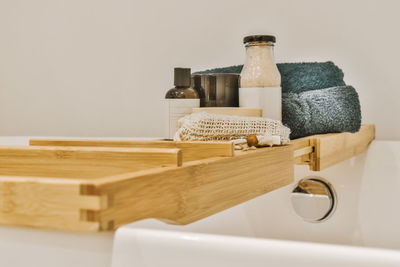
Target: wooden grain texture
{"type": "Point", "coordinates": [51, 204]}
{"type": "Point", "coordinates": [97, 200]}
{"type": "Point", "coordinates": [83, 162]}
{"type": "Point", "coordinates": [50, 187]}
{"type": "Point", "coordinates": [330, 149]}
{"type": "Point", "coordinates": [197, 189]}
{"type": "Point", "coordinates": [190, 150]}
{"type": "Point", "coordinates": [303, 151]}
{"type": "Point", "coordinates": [80, 185]}
{"type": "Point", "coordinates": [248, 112]}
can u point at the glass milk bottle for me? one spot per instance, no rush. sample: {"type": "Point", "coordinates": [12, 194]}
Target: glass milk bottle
{"type": "Point", "coordinates": [260, 80]}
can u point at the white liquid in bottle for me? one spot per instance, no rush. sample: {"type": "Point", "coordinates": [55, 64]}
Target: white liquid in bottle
{"type": "Point", "coordinates": [260, 80]}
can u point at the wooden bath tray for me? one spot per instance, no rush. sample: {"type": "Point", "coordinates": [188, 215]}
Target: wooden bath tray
{"type": "Point", "coordinates": [98, 185]}
{"type": "Point", "coordinates": [83, 188]}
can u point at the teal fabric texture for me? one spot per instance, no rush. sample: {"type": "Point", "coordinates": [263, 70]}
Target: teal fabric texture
{"type": "Point", "coordinates": [331, 110]}
{"type": "Point", "coordinates": [315, 98]}
{"type": "Point", "coordinates": [299, 77]}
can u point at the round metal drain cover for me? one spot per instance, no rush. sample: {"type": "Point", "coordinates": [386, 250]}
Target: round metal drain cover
{"type": "Point", "coordinates": [314, 199]}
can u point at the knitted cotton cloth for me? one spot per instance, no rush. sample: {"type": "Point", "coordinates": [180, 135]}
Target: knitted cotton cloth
{"type": "Point", "coordinates": [205, 126]}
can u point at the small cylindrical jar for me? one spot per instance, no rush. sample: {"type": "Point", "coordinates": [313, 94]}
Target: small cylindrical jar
{"type": "Point", "coordinates": [217, 89]}
{"type": "Point", "coordinates": [260, 80]}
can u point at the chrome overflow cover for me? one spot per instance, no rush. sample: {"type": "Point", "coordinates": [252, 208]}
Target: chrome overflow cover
{"type": "Point", "coordinates": [314, 199]}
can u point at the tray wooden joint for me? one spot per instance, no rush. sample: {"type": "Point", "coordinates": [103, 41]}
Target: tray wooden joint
{"type": "Point", "coordinates": [323, 151]}
{"type": "Point", "coordinates": [101, 202]}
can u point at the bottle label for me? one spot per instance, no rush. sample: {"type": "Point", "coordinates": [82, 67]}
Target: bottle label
{"type": "Point", "coordinates": [176, 109]}
{"type": "Point", "coordinates": [269, 99]}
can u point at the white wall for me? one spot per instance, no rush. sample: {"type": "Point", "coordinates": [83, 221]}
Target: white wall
{"type": "Point", "coordinates": [101, 68]}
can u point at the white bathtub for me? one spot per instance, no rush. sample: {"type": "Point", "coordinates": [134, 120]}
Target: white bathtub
{"type": "Point", "coordinates": [262, 232]}
{"type": "Point", "coordinates": [363, 231]}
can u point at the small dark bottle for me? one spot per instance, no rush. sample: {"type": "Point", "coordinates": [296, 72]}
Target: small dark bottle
{"type": "Point", "coordinates": [180, 100]}
{"type": "Point", "coordinates": [182, 82]}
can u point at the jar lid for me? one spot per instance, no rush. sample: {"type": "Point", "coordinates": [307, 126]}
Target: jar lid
{"type": "Point", "coordinates": [259, 38]}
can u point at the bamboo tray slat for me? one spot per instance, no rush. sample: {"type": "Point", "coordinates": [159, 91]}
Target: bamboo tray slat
{"type": "Point", "coordinates": [197, 189]}
{"type": "Point", "coordinates": [325, 150]}
{"type": "Point", "coordinates": [93, 188]}
{"type": "Point", "coordinates": [99, 185]}
{"type": "Point", "coordinates": [51, 187]}
{"type": "Point", "coordinates": [190, 150]}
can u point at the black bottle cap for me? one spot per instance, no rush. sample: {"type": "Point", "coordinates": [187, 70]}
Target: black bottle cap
{"type": "Point", "coordinates": [259, 38]}
{"type": "Point", "coordinates": [182, 77]}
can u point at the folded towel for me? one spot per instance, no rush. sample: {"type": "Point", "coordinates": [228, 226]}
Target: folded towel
{"type": "Point", "coordinates": [331, 110]}
{"type": "Point", "coordinates": [299, 77]}
{"type": "Point", "coordinates": [315, 99]}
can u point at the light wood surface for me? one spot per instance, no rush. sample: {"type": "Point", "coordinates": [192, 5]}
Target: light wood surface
{"type": "Point", "coordinates": [197, 189]}
{"type": "Point", "coordinates": [83, 162]}
{"type": "Point", "coordinates": [326, 150]}
{"type": "Point", "coordinates": [50, 204]}
{"type": "Point", "coordinates": [100, 185]}
{"type": "Point", "coordinates": [50, 187]}
{"type": "Point", "coordinates": [190, 150]}
{"type": "Point", "coordinates": [303, 151]}
{"type": "Point", "coordinates": [331, 149]}
{"type": "Point", "coordinates": [248, 112]}
{"type": "Point", "coordinates": [50, 195]}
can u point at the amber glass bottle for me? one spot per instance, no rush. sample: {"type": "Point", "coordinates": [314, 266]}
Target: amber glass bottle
{"type": "Point", "coordinates": [180, 100]}
{"type": "Point", "coordinates": [182, 89]}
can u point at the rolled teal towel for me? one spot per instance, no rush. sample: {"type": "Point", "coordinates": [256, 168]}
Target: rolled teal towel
{"type": "Point", "coordinates": [330, 110]}
{"type": "Point", "coordinates": [299, 77]}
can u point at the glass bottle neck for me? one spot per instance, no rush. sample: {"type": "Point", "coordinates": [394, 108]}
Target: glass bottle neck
{"type": "Point", "coordinates": [264, 50]}
{"type": "Point", "coordinates": [182, 87]}
{"type": "Point", "coordinates": [259, 69]}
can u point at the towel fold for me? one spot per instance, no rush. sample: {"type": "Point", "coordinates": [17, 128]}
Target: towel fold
{"type": "Point", "coordinates": [315, 98]}
{"type": "Point", "coordinates": [330, 110]}
{"type": "Point", "coordinates": [299, 77]}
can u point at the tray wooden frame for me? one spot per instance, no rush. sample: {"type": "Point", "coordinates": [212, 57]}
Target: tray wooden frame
{"type": "Point", "coordinates": [100, 185]}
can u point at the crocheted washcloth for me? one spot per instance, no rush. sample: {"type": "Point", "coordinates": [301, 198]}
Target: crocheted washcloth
{"type": "Point", "coordinates": [205, 126]}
